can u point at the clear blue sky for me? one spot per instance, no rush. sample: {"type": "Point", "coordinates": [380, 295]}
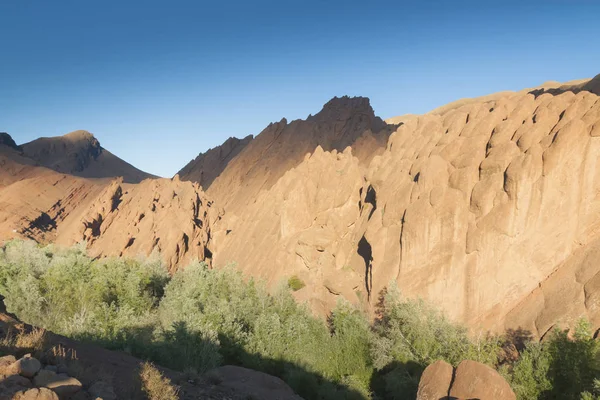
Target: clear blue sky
{"type": "Point", "coordinates": [158, 82]}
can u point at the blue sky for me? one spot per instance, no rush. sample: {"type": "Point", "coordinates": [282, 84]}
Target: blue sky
{"type": "Point", "coordinates": [158, 82]}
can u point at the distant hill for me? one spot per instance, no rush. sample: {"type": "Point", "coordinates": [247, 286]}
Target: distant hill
{"type": "Point", "coordinates": [80, 153]}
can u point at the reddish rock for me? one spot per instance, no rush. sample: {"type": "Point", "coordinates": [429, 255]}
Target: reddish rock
{"type": "Point", "coordinates": [435, 381]}
{"type": "Point", "coordinates": [474, 380]}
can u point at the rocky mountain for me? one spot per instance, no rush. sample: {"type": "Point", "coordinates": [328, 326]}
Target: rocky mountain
{"type": "Point", "coordinates": [79, 153]}
{"type": "Point", "coordinates": [486, 207]}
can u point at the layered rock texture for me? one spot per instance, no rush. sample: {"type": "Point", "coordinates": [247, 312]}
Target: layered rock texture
{"type": "Point", "coordinates": [487, 207]}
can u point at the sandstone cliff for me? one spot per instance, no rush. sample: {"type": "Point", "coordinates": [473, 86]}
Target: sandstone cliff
{"type": "Point", "coordinates": [475, 206]}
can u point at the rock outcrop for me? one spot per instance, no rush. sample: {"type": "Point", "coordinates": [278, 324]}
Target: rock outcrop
{"type": "Point", "coordinates": [114, 217]}
{"type": "Point", "coordinates": [164, 215]}
{"type": "Point", "coordinates": [282, 146]}
{"type": "Point", "coordinates": [470, 380]}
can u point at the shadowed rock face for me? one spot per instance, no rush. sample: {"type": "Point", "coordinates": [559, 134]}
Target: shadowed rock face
{"type": "Point", "coordinates": [282, 146]}
{"type": "Point", "coordinates": [7, 140]}
{"type": "Point", "coordinates": [208, 166]}
{"type": "Point", "coordinates": [79, 153]}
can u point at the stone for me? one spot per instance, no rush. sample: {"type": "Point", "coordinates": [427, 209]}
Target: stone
{"type": "Point", "coordinates": [36, 394]}
{"type": "Point", "coordinates": [252, 384]}
{"type": "Point", "coordinates": [26, 366]}
{"type": "Point", "coordinates": [6, 363]}
{"type": "Point", "coordinates": [10, 385]}
{"type": "Point", "coordinates": [63, 385]}
{"type": "Point", "coordinates": [474, 380]}
{"type": "Point", "coordinates": [435, 381]}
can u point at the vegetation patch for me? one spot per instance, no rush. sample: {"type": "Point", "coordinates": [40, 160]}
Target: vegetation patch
{"type": "Point", "coordinates": [295, 283]}
{"type": "Point", "coordinates": [201, 318]}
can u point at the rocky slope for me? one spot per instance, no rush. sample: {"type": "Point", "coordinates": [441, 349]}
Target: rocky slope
{"type": "Point", "coordinates": [79, 153]}
{"type": "Point", "coordinates": [164, 215]}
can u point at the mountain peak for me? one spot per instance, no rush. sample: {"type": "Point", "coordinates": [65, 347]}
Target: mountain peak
{"type": "Point", "coordinates": [7, 140]}
{"type": "Point", "coordinates": [593, 85]}
{"type": "Point", "coordinates": [339, 108]}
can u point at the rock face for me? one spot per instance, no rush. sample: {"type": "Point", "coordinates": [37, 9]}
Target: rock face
{"type": "Point", "coordinates": [209, 165]}
{"type": "Point", "coordinates": [281, 146]}
{"type": "Point", "coordinates": [114, 218]}
{"type": "Point", "coordinates": [471, 206]}
{"type": "Point", "coordinates": [79, 153]}
{"type": "Point", "coordinates": [165, 215]}
{"type": "Point", "coordinates": [470, 380]}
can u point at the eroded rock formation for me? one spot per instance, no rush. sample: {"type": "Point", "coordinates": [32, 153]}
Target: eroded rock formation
{"type": "Point", "coordinates": [472, 206]}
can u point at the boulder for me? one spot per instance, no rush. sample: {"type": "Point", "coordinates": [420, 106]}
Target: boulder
{"type": "Point", "coordinates": [252, 384]}
{"type": "Point", "coordinates": [10, 385]}
{"type": "Point", "coordinates": [435, 381]}
{"type": "Point", "coordinates": [62, 384]}
{"type": "Point", "coordinates": [36, 394]}
{"type": "Point", "coordinates": [474, 380]}
{"type": "Point", "coordinates": [26, 366]}
{"type": "Point", "coordinates": [5, 364]}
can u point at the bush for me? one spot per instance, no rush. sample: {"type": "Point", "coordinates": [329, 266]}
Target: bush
{"type": "Point", "coordinates": [201, 318]}
{"type": "Point", "coordinates": [410, 334]}
{"type": "Point", "coordinates": [295, 283]}
{"type": "Point", "coordinates": [529, 377]}
{"type": "Point", "coordinates": [156, 386]}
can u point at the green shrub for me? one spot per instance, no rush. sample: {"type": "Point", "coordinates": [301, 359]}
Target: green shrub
{"type": "Point", "coordinates": [201, 318]}
{"type": "Point", "coordinates": [295, 283]}
{"type": "Point", "coordinates": [529, 376]}
{"type": "Point", "coordinates": [410, 334]}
